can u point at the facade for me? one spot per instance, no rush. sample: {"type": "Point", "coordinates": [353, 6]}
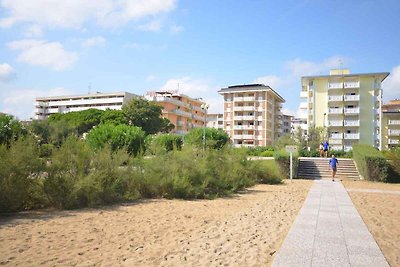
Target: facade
{"type": "Point", "coordinates": [45, 106]}
{"type": "Point", "coordinates": [346, 105]}
{"type": "Point", "coordinates": [181, 110]}
{"type": "Point", "coordinates": [391, 124]}
{"type": "Point", "coordinates": [299, 122]}
{"type": "Point", "coordinates": [252, 114]}
{"type": "Point", "coordinates": [215, 121]}
{"type": "Point", "coordinates": [286, 124]}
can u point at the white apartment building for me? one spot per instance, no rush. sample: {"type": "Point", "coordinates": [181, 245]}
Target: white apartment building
{"type": "Point", "coordinates": [299, 124]}
{"type": "Point", "coordinates": [45, 106]}
{"type": "Point", "coordinates": [215, 120]}
{"type": "Point", "coordinates": [347, 106]}
{"type": "Point", "coordinates": [252, 114]}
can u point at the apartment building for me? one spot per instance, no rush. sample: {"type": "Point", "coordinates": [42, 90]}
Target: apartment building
{"type": "Point", "coordinates": [252, 114]}
{"type": "Point", "coordinates": [346, 105]}
{"type": "Point", "coordinates": [215, 121]}
{"type": "Point", "coordinates": [181, 110]}
{"type": "Point", "coordinates": [299, 124]}
{"type": "Point", "coordinates": [45, 106]}
{"type": "Point", "coordinates": [391, 124]}
{"type": "Point", "coordinates": [286, 124]}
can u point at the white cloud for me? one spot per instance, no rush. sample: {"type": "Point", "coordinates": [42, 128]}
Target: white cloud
{"type": "Point", "coordinates": [75, 13]}
{"type": "Point", "coordinates": [33, 31]}
{"type": "Point", "coordinates": [298, 67]}
{"type": "Point", "coordinates": [151, 77]}
{"type": "Point", "coordinates": [20, 102]}
{"type": "Point", "coordinates": [271, 80]}
{"type": "Point", "coordinates": [7, 73]}
{"type": "Point", "coordinates": [94, 41]}
{"type": "Point", "coordinates": [391, 86]}
{"type": "Point", "coordinates": [44, 54]}
{"type": "Point", "coordinates": [176, 29]}
{"type": "Point", "coordinates": [287, 111]}
{"type": "Point", "coordinates": [197, 88]}
{"type": "Point", "coordinates": [152, 26]}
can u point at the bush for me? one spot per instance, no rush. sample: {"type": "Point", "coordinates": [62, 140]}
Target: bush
{"type": "Point", "coordinates": [267, 172]}
{"type": "Point", "coordinates": [162, 143]}
{"type": "Point", "coordinates": [393, 157]}
{"type": "Point", "coordinates": [282, 159]}
{"type": "Point", "coordinates": [260, 151]}
{"type": "Point", "coordinates": [215, 138]}
{"type": "Point", "coordinates": [306, 153]}
{"type": "Point", "coordinates": [118, 137]}
{"type": "Point", "coordinates": [371, 163]}
{"type": "Point", "coordinates": [20, 177]}
{"type": "Point", "coordinates": [10, 129]}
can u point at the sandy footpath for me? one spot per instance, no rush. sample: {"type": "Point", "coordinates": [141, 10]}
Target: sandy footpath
{"type": "Point", "coordinates": [381, 213]}
{"type": "Point", "coordinates": [244, 230]}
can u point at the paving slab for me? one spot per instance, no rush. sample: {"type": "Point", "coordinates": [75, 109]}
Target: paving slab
{"type": "Point", "coordinates": [329, 231]}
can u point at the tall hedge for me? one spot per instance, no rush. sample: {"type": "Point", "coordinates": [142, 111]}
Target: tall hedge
{"type": "Point", "coordinates": [371, 163]}
{"type": "Point", "coordinates": [282, 158]}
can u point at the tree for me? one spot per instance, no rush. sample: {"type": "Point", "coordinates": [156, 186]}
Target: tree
{"type": "Point", "coordinates": [112, 116]}
{"type": "Point", "coordinates": [147, 115]}
{"type": "Point", "coordinates": [315, 137]}
{"type": "Point", "coordinates": [82, 121]}
{"type": "Point", "coordinates": [215, 138]}
{"type": "Point", "coordinates": [283, 141]}
{"type": "Point", "coordinates": [298, 136]}
{"type": "Point", "coordinates": [10, 129]}
{"type": "Point", "coordinates": [121, 136]}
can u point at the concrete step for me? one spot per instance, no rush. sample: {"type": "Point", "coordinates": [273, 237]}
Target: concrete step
{"type": "Point", "coordinates": [319, 168]}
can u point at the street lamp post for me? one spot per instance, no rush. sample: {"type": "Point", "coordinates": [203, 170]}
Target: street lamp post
{"type": "Point", "coordinates": [205, 108]}
{"type": "Point", "coordinates": [325, 130]}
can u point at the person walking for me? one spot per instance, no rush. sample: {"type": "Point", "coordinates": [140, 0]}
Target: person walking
{"type": "Point", "coordinates": [333, 162]}
{"type": "Point", "coordinates": [326, 148]}
{"type": "Point", "coordinates": [321, 149]}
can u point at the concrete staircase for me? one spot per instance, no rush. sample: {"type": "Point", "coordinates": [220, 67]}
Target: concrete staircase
{"type": "Point", "coordinates": [318, 168]}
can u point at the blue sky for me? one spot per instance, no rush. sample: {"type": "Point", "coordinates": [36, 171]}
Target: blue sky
{"type": "Point", "coordinates": [55, 47]}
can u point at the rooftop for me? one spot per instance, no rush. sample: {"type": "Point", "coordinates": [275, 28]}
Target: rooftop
{"type": "Point", "coordinates": [346, 73]}
{"type": "Point", "coordinates": [94, 95]}
{"type": "Point", "coordinates": [250, 87]}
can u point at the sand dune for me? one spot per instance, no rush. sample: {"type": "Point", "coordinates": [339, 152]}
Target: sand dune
{"type": "Point", "coordinates": [245, 229]}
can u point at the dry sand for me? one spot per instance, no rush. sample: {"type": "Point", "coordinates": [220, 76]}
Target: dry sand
{"type": "Point", "coordinates": [244, 230]}
{"type": "Point", "coordinates": [381, 213]}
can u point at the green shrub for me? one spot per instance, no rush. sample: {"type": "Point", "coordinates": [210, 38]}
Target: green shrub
{"type": "Point", "coordinates": [10, 129]}
{"type": "Point", "coordinates": [260, 151]}
{"type": "Point", "coordinates": [306, 153]}
{"type": "Point", "coordinates": [20, 177]}
{"type": "Point", "coordinates": [162, 143]}
{"type": "Point", "coordinates": [267, 154]}
{"type": "Point", "coordinates": [118, 137]}
{"type": "Point", "coordinates": [282, 159]}
{"type": "Point", "coordinates": [393, 157]}
{"type": "Point", "coordinates": [341, 153]}
{"type": "Point", "coordinates": [371, 163]}
{"type": "Point", "coordinates": [267, 171]}
{"type": "Point", "coordinates": [215, 138]}
{"type": "Point", "coordinates": [46, 150]}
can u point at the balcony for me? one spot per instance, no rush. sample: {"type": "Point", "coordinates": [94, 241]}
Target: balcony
{"type": "Point", "coordinates": [393, 141]}
{"type": "Point", "coordinates": [352, 98]}
{"type": "Point", "coordinates": [244, 118]}
{"type": "Point", "coordinates": [336, 136]}
{"type": "Point", "coordinates": [394, 132]}
{"type": "Point", "coordinates": [352, 136]}
{"type": "Point", "coordinates": [335, 123]}
{"type": "Point", "coordinates": [335, 141]}
{"type": "Point", "coordinates": [243, 127]}
{"type": "Point", "coordinates": [394, 122]}
{"type": "Point", "coordinates": [335, 110]}
{"type": "Point", "coordinates": [333, 98]}
{"type": "Point", "coordinates": [180, 123]}
{"type": "Point", "coordinates": [244, 99]}
{"type": "Point", "coordinates": [337, 147]}
{"type": "Point", "coordinates": [303, 94]}
{"type": "Point", "coordinates": [243, 108]}
{"type": "Point", "coordinates": [335, 85]}
{"type": "Point", "coordinates": [182, 113]}
{"type": "Point", "coordinates": [303, 105]}
{"type": "Point", "coordinates": [243, 136]}
{"type": "Point", "coordinates": [347, 148]}
{"type": "Point", "coordinates": [348, 111]}
{"type": "Point", "coordinates": [351, 84]}
{"type": "Point", "coordinates": [351, 123]}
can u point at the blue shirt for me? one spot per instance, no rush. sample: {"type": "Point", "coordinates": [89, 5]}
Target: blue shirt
{"type": "Point", "coordinates": [326, 145]}
{"type": "Point", "coordinates": [333, 162]}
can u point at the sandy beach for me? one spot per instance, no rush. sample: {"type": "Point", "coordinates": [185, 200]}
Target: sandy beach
{"type": "Point", "coordinates": [243, 230]}
{"type": "Point", "coordinates": [381, 212]}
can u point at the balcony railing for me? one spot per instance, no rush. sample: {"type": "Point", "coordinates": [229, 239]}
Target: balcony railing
{"type": "Point", "coordinates": [336, 136]}
{"type": "Point", "coordinates": [351, 84]}
{"type": "Point", "coordinates": [335, 111]}
{"type": "Point", "coordinates": [351, 136]}
{"type": "Point", "coordinates": [351, 111]}
{"type": "Point", "coordinates": [352, 98]}
{"type": "Point", "coordinates": [335, 85]}
{"type": "Point", "coordinates": [243, 108]}
{"type": "Point", "coordinates": [336, 147]}
{"type": "Point", "coordinates": [347, 148]}
{"type": "Point", "coordinates": [335, 141]}
{"type": "Point", "coordinates": [243, 127]}
{"type": "Point", "coordinates": [335, 123]}
{"type": "Point", "coordinates": [394, 132]}
{"type": "Point", "coordinates": [394, 122]}
{"type": "Point", "coordinates": [335, 98]}
{"type": "Point", "coordinates": [245, 98]}
{"type": "Point", "coordinates": [242, 118]}
{"type": "Point", "coordinates": [351, 123]}
{"type": "Point", "coordinates": [243, 136]}
{"type": "Point", "coordinates": [303, 94]}
{"type": "Point", "coordinates": [393, 141]}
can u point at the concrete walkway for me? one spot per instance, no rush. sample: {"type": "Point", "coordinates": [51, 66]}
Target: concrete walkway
{"type": "Point", "coordinates": [328, 231]}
